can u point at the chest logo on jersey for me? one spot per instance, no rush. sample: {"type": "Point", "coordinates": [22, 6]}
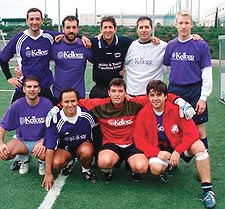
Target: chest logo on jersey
{"type": "Point", "coordinates": [142, 61]}
{"type": "Point", "coordinates": [174, 129]}
{"type": "Point", "coordinates": [182, 56]}
{"type": "Point", "coordinates": [75, 138]}
{"type": "Point", "coordinates": [69, 55]}
{"type": "Point", "coordinates": [36, 53]}
{"type": "Point", "coordinates": [31, 120]}
{"type": "Point", "coordinates": [117, 55]}
{"type": "Point", "coordinates": [120, 122]}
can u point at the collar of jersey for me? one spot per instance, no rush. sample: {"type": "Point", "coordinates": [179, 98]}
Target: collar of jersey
{"type": "Point", "coordinates": [102, 43]}
{"type": "Point", "coordinates": [26, 32]}
{"type": "Point", "coordinates": [71, 119]}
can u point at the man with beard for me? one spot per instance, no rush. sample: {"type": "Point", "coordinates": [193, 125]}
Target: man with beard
{"type": "Point", "coordinates": [70, 58]}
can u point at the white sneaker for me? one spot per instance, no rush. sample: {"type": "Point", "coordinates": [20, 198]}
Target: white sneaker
{"type": "Point", "coordinates": [24, 167]}
{"type": "Point", "coordinates": [41, 167]}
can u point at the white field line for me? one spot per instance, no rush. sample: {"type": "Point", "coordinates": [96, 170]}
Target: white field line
{"type": "Point", "coordinates": [53, 193]}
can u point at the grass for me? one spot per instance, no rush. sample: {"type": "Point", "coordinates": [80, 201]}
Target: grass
{"type": "Point", "coordinates": [182, 191]}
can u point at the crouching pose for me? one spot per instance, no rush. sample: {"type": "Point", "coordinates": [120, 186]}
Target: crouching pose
{"type": "Point", "coordinates": [68, 139]}
{"type": "Point", "coordinates": [164, 137]}
{"type": "Point", "coordinates": [27, 117]}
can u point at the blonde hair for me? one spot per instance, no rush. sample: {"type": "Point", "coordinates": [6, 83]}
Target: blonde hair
{"type": "Point", "coordinates": [185, 13]}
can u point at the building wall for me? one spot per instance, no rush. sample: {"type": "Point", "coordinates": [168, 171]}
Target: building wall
{"type": "Point", "coordinates": [121, 19]}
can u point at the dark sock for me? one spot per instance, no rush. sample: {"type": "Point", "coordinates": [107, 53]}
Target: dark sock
{"type": "Point", "coordinates": [206, 186]}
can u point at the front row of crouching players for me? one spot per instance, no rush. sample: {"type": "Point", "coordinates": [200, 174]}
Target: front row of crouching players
{"type": "Point", "coordinates": [116, 116]}
{"type": "Point", "coordinates": [164, 138]}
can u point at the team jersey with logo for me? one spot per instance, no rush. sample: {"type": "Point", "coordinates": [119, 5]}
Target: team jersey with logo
{"type": "Point", "coordinates": [144, 62]}
{"type": "Point", "coordinates": [29, 121]}
{"type": "Point", "coordinates": [116, 122]}
{"type": "Point", "coordinates": [70, 131]}
{"type": "Point", "coordinates": [33, 55]}
{"type": "Point", "coordinates": [70, 64]}
{"type": "Point", "coordinates": [187, 59]}
{"type": "Point", "coordinates": [108, 60]}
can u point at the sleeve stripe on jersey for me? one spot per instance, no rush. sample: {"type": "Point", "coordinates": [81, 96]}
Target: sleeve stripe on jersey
{"type": "Point", "coordinates": [60, 124]}
{"type": "Point", "coordinates": [47, 35]}
{"type": "Point", "coordinates": [19, 43]}
{"type": "Point", "coordinates": [89, 118]}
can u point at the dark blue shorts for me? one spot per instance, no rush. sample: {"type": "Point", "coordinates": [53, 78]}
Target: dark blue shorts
{"type": "Point", "coordinates": [191, 94]}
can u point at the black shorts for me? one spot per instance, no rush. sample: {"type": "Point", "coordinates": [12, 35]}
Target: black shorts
{"type": "Point", "coordinates": [98, 92]}
{"type": "Point", "coordinates": [123, 153]}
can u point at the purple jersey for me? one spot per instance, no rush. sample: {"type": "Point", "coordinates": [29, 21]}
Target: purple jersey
{"type": "Point", "coordinates": [70, 64]}
{"type": "Point", "coordinates": [73, 132]}
{"type": "Point", "coordinates": [187, 59]}
{"type": "Point", "coordinates": [29, 121]}
{"type": "Point", "coordinates": [33, 55]}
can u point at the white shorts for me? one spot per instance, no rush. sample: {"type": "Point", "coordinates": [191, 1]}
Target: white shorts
{"type": "Point", "coordinates": [158, 160]}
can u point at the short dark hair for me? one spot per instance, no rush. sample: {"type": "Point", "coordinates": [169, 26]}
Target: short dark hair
{"type": "Point", "coordinates": [144, 18]}
{"type": "Point", "coordinates": [31, 78]}
{"type": "Point", "coordinates": [117, 82]}
{"type": "Point", "coordinates": [70, 18]}
{"type": "Point", "coordinates": [108, 19]}
{"type": "Point", "coordinates": [66, 90]}
{"type": "Point", "coordinates": [157, 86]}
{"type": "Point", "coordinates": [34, 10]}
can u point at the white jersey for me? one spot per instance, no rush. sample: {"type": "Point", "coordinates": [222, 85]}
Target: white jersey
{"type": "Point", "coordinates": [143, 62]}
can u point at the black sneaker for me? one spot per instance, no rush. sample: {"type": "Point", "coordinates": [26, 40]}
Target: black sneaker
{"type": "Point", "coordinates": [164, 177]}
{"type": "Point", "coordinates": [89, 176]}
{"type": "Point", "coordinates": [67, 170]}
{"type": "Point", "coordinates": [15, 166]}
{"type": "Point", "coordinates": [136, 177]}
{"type": "Point", "coordinates": [107, 177]}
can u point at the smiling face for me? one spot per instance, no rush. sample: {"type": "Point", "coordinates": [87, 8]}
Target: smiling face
{"type": "Point", "coordinates": [34, 22]}
{"type": "Point", "coordinates": [108, 31]}
{"type": "Point", "coordinates": [69, 102]}
{"type": "Point", "coordinates": [157, 99]}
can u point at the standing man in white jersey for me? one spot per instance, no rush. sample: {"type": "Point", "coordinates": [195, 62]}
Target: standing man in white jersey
{"type": "Point", "coordinates": [32, 49]}
{"type": "Point", "coordinates": [144, 59]}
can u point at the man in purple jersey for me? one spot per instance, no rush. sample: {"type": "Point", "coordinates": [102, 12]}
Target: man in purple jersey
{"type": "Point", "coordinates": [70, 58]}
{"type": "Point", "coordinates": [191, 70]}
{"type": "Point", "coordinates": [32, 52]}
{"type": "Point", "coordinates": [68, 139]}
{"type": "Point", "coordinates": [27, 117]}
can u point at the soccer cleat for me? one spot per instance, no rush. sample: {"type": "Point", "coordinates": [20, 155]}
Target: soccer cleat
{"type": "Point", "coordinates": [41, 167]}
{"type": "Point", "coordinates": [24, 167]}
{"type": "Point", "coordinates": [209, 199]}
{"type": "Point", "coordinates": [107, 177]}
{"type": "Point", "coordinates": [89, 176]}
{"type": "Point", "coordinates": [136, 177]}
{"type": "Point", "coordinates": [15, 166]}
{"type": "Point", "coordinates": [163, 177]}
{"type": "Point", "coordinates": [67, 170]}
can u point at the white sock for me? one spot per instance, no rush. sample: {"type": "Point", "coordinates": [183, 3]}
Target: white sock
{"type": "Point", "coordinates": [22, 158]}
{"type": "Point", "coordinates": [85, 170]}
{"type": "Point", "coordinates": [107, 170]}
